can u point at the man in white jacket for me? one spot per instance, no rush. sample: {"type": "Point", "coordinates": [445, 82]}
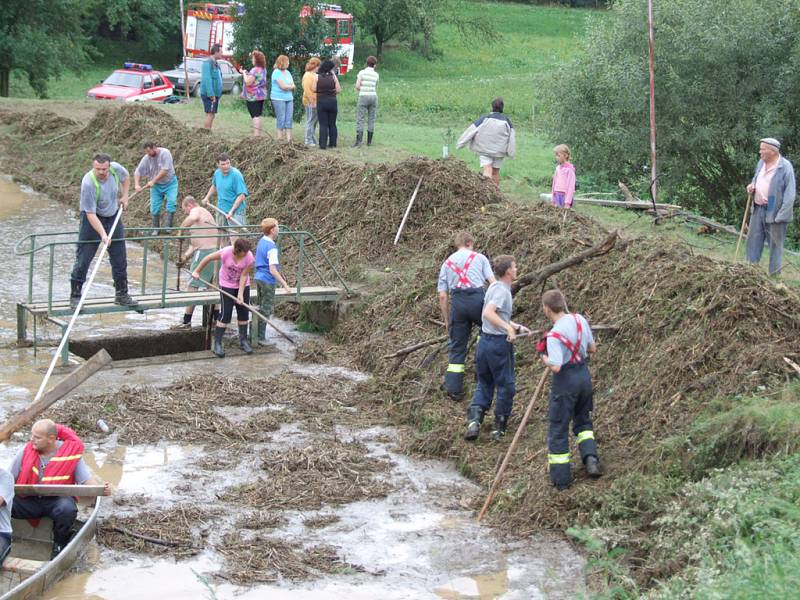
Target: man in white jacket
{"type": "Point", "coordinates": [492, 138]}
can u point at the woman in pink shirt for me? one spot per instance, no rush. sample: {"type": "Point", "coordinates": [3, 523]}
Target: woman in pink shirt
{"type": "Point", "coordinates": [563, 190]}
{"type": "Point", "coordinates": [234, 278]}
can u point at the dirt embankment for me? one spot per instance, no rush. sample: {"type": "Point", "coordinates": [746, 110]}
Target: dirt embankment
{"type": "Point", "coordinates": [690, 328]}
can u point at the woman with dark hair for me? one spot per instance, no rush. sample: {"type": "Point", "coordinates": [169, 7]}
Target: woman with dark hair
{"type": "Point", "coordinates": [234, 278]}
{"type": "Point", "coordinates": [255, 88]}
{"type": "Point", "coordinates": [327, 87]}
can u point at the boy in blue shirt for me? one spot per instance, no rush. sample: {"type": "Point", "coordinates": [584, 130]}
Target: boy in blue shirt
{"type": "Point", "coordinates": [231, 190]}
{"type": "Point", "coordinates": [268, 274]}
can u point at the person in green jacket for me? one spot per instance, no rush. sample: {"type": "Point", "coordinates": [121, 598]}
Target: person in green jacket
{"type": "Point", "coordinates": [211, 85]}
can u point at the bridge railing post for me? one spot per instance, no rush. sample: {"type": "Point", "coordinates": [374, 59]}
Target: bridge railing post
{"type": "Point", "coordinates": [30, 269]}
{"type": "Point", "coordinates": [165, 267]}
{"type": "Point", "coordinates": [50, 278]}
{"type": "Point", "coordinates": [145, 247]}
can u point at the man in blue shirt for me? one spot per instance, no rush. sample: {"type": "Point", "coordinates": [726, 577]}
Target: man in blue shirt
{"type": "Point", "coordinates": [231, 190]}
{"type": "Point", "coordinates": [268, 274]}
{"type": "Point", "coordinates": [211, 85]}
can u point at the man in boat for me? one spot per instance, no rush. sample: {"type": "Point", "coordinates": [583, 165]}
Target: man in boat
{"type": "Point", "coordinates": [461, 292]}
{"type": "Point", "coordinates": [6, 499]}
{"type": "Point", "coordinates": [104, 190]}
{"type": "Point", "coordinates": [53, 456]}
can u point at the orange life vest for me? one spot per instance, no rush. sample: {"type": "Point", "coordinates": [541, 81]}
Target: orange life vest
{"type": "Point", "coordinates": [60, 469]}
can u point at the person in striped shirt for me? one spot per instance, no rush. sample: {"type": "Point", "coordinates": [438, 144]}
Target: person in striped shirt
{"type": "Point", "coordinates": [367, 107]}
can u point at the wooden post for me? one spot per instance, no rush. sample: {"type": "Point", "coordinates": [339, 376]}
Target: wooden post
{"type": "Point", "coordinates": [58, 391]}
{"type": "Point", "coordinates": [81, 491]}
{"type": "Point", "coordinates": [185, 66]}
{"type": "Point", "coordinates": [651, 51]}
{"type": "Point", "coordinates": [408, 210]}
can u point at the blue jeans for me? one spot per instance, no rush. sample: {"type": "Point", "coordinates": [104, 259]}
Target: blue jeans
{"type": "Point", "coordinates": [84, 253]}
{"type": "Point", "coordinates": [283, 113]}
{"type": "Point", "coordinates": [161, 191]}
{"type": "Point", "coordinates": [494, 362]}
{"type": "Point", "coordinates": [759, 232]}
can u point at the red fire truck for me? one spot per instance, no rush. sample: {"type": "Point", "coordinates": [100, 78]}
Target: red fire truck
{"type": "Point", "coordinates": [208, 24]}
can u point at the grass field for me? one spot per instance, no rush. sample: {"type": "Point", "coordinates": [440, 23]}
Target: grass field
{"type": "Point", "coordinates": [422, 102]}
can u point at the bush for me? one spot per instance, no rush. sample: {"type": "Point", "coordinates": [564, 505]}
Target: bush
{"type": "Point", "coordinates": [724, 74]}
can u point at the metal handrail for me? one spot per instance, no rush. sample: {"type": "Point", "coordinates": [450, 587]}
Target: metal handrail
{"type": "Point", "coordinates": [299, 236]}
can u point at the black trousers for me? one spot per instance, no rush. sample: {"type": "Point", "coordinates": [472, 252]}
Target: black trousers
{"type": "Point", "coordinates": [570, 400]}
{"type": "Point", "coordinates": [466, 307]}
{"type": "Point", "coordinates": [84, 253]}
{"type": "Point", "coordinates": [62, 509]}
{"type": "Point", "coordinates": [242, 312]}
{"type": "Point", "coordinates": [327, 109]}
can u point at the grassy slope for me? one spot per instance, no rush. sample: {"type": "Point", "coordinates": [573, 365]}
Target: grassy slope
{"type": "Point", "coordinates": [742, 550]}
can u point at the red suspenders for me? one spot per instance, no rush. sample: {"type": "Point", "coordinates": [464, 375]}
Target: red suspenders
{"type": "Point", "coordinates": [575, 349]}
{"type": "Point", "coordinates": [463, 280]}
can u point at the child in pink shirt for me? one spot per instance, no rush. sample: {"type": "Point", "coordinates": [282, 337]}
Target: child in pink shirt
{"type": "Point", "coordinates": [234, 278]}
{"type": "Point", "coordinates": [563, 190]}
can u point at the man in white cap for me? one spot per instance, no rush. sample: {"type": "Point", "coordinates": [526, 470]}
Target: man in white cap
{"type": "Point", "coordinates": [773, 186]}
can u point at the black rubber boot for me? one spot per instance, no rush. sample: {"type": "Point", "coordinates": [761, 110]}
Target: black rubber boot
{"type": "Point", "coordinates": [75, 293]}
{"type": "Point", "coordinates": [359, 139]}
{"type": "Point", "coordinates": [216, 346]}
{"type": "Point", "coordinates": [500, 426]}
{"type": "Point", "coordinates": [369, 138]}
{"type": "Point", "coordinates": [122, 297]}
{"type": "Point", "coordinates": [244, 344]}
{"type": "Point", "coordinates": [168, 223]}
{"type": "Point", "coordinates": [474, 418]}
{"type": "Point", "coordinates": [156, 224]}
{"type": "Point", "coordinates": [593, 467]}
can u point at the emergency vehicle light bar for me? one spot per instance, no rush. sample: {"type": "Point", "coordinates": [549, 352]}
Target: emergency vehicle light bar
{"type": "Point", "coordinates": [138, 66]}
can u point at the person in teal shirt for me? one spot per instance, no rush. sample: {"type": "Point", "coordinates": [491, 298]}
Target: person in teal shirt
{"type": "Point", "coordinates": [231, 190]}
{"type": "Point", "coordinates": [282, 97]}
{"type": "Point", "coordinates": [211, 85]}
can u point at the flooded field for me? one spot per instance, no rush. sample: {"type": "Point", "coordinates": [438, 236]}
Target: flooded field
{"type": "Point", "coordinates": [267, 478]}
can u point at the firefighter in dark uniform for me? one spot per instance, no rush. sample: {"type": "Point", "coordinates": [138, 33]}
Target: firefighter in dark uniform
{"type": "Point", "coordinates": [462, 276]}
{"type": "Point", "coordinates": [494, 359]}
{"type": "Point", "coordinates": [565, 350]}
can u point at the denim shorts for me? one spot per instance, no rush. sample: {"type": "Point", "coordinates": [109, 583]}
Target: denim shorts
{"type": "Point", "coordinates": [210, 106]}
{"type": "Point", "coordinates": [283, 113]}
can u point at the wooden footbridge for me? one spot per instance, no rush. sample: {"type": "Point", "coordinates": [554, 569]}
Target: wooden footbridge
{"type": "Point", "coordinates": [311, 263]}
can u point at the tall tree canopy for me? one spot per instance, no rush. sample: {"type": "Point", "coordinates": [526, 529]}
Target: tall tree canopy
{"type": "Point", "coordinates": [41, 38]}
{"type": "Point", "coordinates": [727, 74]}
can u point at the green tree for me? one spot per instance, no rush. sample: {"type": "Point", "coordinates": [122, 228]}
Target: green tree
{"type": "Point", "coordinates": [425, 15]}
{"type": "Point", "coordinates": [727, 74]}
{"type": "Point", "coordinates": [41, 38]}
{"type": "Point", "coordinates": [384, 20]}
{"type": "Point", "coordinates": [275, 27]}
{"type": "Point", "coordinates": [157, 22]}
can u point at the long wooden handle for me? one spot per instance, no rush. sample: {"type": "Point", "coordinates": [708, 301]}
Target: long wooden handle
{"type": "Point", "coordinates": [58, 391]}
{"type": "Point", "coordinates": [408, 210]}
{"type": "Point", "coordinates": [250, 307]}
{"type": "Point", "coordinates": [744, 222]}
{"type": "Point", "coordinates": [513, 446]}
{"type": "Point", "coordinates": [220, 211]}
{"type": "Point", "coordinates": [81, 491]}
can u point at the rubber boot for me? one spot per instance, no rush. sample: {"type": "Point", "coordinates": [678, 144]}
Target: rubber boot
{"type": "Point", "coordinates": [262, 333]}
{"type": "Point", "coordinates": [156, 224]}
{"type": "Point", "coordinates": [359, 139]}
{"type": "Point", "coordinates": [168, 223]}
{"type": "Point", "coordinates": [75, 293]}
{"type": "Point", "coordinates": [474, 418]}
{"type": "Point", "coordinates": [216, 346]}
{"type": "Point", "coordinates": [60, 541]}
{"type": "Point", "coordinates": [500, 426]}
{"type": "Point", "coordinates": [122, 297]}
{"type": "Point", "coordinates": [244, 344]}
{"type": "Point", "coordinates": [593, 467]}
{"type": "Point", "coordinates": [369, 138]}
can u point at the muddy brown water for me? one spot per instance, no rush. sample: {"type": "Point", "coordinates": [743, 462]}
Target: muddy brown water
{"type": "Point", "coordinates": [418, 542]}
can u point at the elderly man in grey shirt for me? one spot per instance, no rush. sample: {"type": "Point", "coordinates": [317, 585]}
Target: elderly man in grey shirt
{"type": "Point", "coordinates": [157, 166]}
{"type": "Point", "coordinates": [774, 188]}
{"type": "Point", "coordinates": [100, 189]}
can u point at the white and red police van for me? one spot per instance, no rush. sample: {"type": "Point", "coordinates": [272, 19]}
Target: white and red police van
{"type": "Point", "coordinates": [208, 23]}
{"type": "Point", "coordinates": [135, 82]}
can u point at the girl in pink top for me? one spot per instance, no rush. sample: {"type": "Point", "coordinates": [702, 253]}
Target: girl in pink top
{"type": "Point", "coordinates": [234, 278]}
{"type": "Point", "coordinates": [563, 190]}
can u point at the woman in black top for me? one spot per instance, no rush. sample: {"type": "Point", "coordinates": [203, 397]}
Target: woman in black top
{"type": "Point", "coordinates": [327, 87]}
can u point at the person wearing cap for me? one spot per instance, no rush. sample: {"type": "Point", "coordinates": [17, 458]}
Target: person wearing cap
{"type": "Point", "coordinates": [773, 189]}
{"type": "Point", "coordinates": [494, 358]}
{"type": "Point", "coordinates": [460, 287]}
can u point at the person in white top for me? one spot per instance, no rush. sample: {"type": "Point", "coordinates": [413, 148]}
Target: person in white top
{"type": "Point", "coordinates": [367, 106]}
